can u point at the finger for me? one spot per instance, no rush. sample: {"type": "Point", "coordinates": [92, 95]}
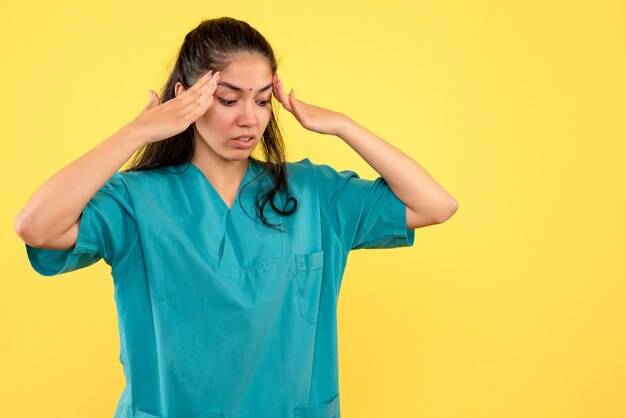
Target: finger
{"type": "Point", "coordinates": [201, 94]}
{"type": "Point", "coordinates": [203, 79]}
{"type": "Point", "coordinates": [154, 99]}
{"type": "Point", "coordinates": [292, 103]}
{"type": "Point", "coordinates": [280, 94]}
{"type": "Point", "coordinates": [195, 112]}
{"type": "Point", "coordinates": [198, 89]}
{"type": "Point", "coordinates": [198, 107]}
{"type": "Point", "coordinates": [276, 87]}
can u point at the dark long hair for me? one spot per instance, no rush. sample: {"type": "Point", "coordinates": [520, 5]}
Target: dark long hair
{"type": "Point", "coordinates": [210, 46]}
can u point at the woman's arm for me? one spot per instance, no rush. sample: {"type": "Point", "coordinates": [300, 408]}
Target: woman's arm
{"type": "Point", "coordinates": [54, 208]}
{"type": "Point", "coordinates": [426, 201]}
{"type": "Point", "coordinates": [50, 218]}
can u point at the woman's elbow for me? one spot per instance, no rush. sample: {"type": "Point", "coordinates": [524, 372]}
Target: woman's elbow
{"type": "Point", "coordinates": [23, 228]}
{"type": "Point", "coordinates": [451, 207]}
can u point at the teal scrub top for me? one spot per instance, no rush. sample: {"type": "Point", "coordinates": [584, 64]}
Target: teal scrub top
{"type": "Point", "coordinates": [219, 315]}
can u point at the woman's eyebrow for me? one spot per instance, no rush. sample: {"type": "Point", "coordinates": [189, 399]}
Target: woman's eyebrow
{"type": "Point", "coordinates": [230, 86]}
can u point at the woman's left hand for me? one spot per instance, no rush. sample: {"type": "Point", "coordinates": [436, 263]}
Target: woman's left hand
{"type": "Point", "coordinates": [311, 117]}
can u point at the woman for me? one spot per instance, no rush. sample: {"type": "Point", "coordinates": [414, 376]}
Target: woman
{"type": "Point", "coordinates": [227, 268]}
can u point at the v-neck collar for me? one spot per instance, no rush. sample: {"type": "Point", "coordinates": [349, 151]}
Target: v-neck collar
{"type": "Point", "coordinates": [246, 176]}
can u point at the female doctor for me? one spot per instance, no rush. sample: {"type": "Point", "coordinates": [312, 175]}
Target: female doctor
{"type": "Point", "coordinates": [227, 268]}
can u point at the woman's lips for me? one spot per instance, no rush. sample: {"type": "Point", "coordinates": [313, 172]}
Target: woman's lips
{"type": "Point", "coordinates": [242, 144]}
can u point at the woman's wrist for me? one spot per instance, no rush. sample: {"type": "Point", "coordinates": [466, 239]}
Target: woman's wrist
{"type": "Point", "coordinates": [133, 134]}
{"type": "Point", "coordinates": [345, 123]}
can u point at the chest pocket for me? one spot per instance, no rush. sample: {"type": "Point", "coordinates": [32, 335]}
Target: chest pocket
{"type": "Point", "coordinates": [309, 271]}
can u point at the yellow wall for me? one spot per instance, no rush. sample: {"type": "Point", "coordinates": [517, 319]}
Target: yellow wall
{"type": "Point", "coordinates": [513, 308]}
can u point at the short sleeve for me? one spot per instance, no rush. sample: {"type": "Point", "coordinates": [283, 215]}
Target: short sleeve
{"type": "Point", "coordinates": [363, 213]}
{"type": "Point", "coordinates": [107, 230]}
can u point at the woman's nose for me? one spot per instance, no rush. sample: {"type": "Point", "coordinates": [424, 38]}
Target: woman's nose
{"type": "Point", "coordinates": [247, 116]}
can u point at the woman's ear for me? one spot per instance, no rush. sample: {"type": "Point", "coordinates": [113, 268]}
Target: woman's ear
{"type": "Point", "coordinates": [178, 89]}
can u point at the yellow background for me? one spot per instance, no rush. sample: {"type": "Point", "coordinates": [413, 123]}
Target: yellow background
{"type": "Point", "coordinates": [515, 307]}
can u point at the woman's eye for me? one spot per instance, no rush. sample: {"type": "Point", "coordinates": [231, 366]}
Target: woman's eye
{"type": "Point", "coordinates": [232, 102]}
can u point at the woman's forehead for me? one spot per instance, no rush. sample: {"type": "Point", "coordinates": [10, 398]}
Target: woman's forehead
{"type": "Point", "coordinates": [241, 89]}
{"type": "Point", "coordinates": [246, 72]}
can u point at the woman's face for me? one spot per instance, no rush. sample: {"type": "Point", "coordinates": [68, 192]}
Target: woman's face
{"type": "Point", "coordinates": [241, 106]}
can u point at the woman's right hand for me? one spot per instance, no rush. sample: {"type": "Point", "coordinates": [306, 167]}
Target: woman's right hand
{"type": "Point", "coordinates": [157, 121]}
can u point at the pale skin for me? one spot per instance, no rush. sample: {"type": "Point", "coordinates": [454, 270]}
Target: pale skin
{"type": "Point", "coordinates": [426, 201]}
